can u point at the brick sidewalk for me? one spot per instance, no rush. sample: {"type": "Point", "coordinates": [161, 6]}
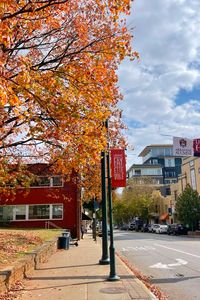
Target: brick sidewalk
{"type": "Point", "coordinates": [76, 274]}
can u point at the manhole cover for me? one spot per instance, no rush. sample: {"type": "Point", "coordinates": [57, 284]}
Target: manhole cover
{"type": "Point", "coordinates": [113, 290]}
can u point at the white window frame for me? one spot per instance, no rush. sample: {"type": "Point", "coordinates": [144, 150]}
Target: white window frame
{"type": "Point", "coordinates": [27, 212]}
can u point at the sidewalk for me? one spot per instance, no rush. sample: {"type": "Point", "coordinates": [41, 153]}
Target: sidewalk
{"type": "Point", "coordinates": [75, 274]}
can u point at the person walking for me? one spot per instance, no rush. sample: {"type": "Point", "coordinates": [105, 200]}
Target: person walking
{"type": "Point", "coordinates": [82, 231]}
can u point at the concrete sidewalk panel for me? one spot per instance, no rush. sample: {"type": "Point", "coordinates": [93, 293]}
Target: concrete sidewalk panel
{"type": "Point", "coordinates": [75, 274]}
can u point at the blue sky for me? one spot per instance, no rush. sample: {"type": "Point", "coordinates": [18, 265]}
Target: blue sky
{"type": "Point", "coordinates": [162, 90]}
{"type": "Point", "coordinates": [185, 96]}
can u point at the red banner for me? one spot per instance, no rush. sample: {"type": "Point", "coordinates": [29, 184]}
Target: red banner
{"type": "Point", "coordinates": [196, 147]}
{"type": "Point", "coordinates": [118, 167]}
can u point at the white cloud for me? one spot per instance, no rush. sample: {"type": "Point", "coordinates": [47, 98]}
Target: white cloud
{"type": "Point", "coordinates": [166, 34]}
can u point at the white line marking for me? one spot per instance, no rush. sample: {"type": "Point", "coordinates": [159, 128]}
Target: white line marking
{"type": "Point", "coordinates": [183, 252]}
{"type": "Point", "coordinates": [169, 266]}
{"type": "Point", "coordinates": [145, 248]}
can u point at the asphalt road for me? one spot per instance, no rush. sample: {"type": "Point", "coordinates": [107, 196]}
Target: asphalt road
{"type": "Point", "coordinates": [171, 262]}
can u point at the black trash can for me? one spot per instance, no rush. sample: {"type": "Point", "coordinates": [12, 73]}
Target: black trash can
{"type": "Point", "coordinates": [63, 242]}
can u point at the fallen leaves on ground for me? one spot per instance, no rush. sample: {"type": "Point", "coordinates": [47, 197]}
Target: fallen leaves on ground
{"type": "Point", "coordinates": [15, 243]}
{"type": "Point", "coordinates": [12, 294]}
{"type": "Point", "coordinates": [154, 289]}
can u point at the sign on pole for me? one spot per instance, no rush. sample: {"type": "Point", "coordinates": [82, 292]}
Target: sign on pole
{"type": "Point", "coordinates": [118, 168]}
{"type": "Point", "coordinates": [182, 146]}
{"type": "Point", "coordinates": [196, 146]}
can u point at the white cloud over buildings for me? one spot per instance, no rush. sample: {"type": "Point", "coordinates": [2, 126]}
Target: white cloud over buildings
{"type": "Point", "coordinates": [166, 35]}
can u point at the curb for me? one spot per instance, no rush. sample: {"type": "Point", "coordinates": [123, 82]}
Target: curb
{"type": "Point", "coordinates": [20, 269]}
{"type": "Point", "coordinates": [154, 292]}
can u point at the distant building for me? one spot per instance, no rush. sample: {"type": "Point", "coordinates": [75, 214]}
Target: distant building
{"type": "Point", "coordinates": [190, 174]}
{"type": "Point", "coordinates": [160, 165]}
{"type": "Point", "coordinates": [162, 169]}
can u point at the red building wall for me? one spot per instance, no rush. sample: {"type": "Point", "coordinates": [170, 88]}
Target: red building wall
{"type": "Point", "coordinates": [68, 195]}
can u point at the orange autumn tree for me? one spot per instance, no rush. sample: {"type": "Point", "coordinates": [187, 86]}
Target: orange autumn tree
{"type": "Point", "coordinates": [58, 81]}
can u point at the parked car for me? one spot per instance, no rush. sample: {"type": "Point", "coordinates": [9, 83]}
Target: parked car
{"type": "Point", "coordinates": [177, 229]}
{"type": "Point", "coordinates": [155, 226]}
{"type": "Point", "coordinates": [145, 228]}
{"type": "Point", "coordinates": [125, 227]}
{"type": "Point", "coordinates": [161, 228]}
{"type": "Point", "coordinates": [132, 226]}
{"type": "Point", "coordinates": [150, 227]}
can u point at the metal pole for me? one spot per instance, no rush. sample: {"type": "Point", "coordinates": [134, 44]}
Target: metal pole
{"type": "Point", "coordinates": [105, 259]}
{"type": "Point", "coordinates": [112, 276]}
{"type": "Point", "coordinates": [94, 226]}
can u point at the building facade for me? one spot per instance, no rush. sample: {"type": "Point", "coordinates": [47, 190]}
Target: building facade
{"type": "Point", "coordinates": [190, 174]}
{"type": "Point", "coordinates": [50, 201]}
{"type": "Point", "coordinates": [162, 169]}
{"type": "Point", "coordinates": [160, 165]}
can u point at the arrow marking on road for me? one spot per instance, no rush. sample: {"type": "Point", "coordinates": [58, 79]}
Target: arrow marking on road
{"type": "Point", "coordinates": [180, 262]}
{"type": "Point", "coordinates": [124, 250]}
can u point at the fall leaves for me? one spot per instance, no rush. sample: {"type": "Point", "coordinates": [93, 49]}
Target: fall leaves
{"type": "Point", "coordinates": [58, 81]}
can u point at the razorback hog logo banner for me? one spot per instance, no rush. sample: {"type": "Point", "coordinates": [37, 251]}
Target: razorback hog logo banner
{"type": "Point", "coordinates": [196, 146]}
{"type": "Point", "coordinates": [118, 168]}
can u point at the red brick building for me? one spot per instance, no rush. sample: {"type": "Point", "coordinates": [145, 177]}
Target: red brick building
{"type": "Point", "coordinates": [50, 201]}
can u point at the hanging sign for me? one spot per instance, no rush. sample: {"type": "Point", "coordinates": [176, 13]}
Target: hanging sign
{"type": "Point", "coordinates": [182, 147]}
{"type": "Point", "coordinates": [196, 147]}
{"type": "Point", "coordinates": [118, 167]}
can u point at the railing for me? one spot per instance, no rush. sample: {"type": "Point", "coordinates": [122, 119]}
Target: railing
{"type": "Point", "coordinates": [49, 224]}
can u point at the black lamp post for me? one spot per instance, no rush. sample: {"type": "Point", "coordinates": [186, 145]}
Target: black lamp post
{"type": "Point", "coordinates": [105, 259]}
{"type": "Point", "coordinates": [112, 276]}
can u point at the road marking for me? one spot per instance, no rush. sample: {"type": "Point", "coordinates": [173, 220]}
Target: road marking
{"type": "Point", "coordinates": [124, 250]}
{"type": "Point", "coordinates": [160, 265]}
{"type": "Point", "coordinates": [183, 252]}
{"type": "Point", "coordinates": [144, 248]}
{"type": "Point", "coordinates": [179, 262]}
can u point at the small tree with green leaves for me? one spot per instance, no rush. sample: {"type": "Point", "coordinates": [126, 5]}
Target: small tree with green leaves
{"type": "Point", "coordinates": [188, 207]}
{"type": "Point", "coordinates": [138, 197]}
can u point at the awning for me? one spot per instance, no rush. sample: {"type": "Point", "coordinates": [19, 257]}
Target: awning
{"type": "Point", "coordinates": [85, 217]}
{"type": "Point", "coordinates": [164, 217]}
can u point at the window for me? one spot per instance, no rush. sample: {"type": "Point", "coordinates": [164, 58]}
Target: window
{"type": "Point", "coordinates": [167, 181]}
{"type": "Point", "coordinates": [57, 181]}
{"type": "Point", "coordinates": [137, 172]}
{"type": "Point", "coordinates": [168, 151]}
{"type": "Point", "coordinates": [154, 161]}
{"type": "Point", "coordinates": [193, 179]}
{"type": "Point", "coordinates": [41, 181]}
{"type": "Point", "coordinates": [31, 212]}
{"type": "Point", "coordinates": [39, 212]}
{"type": "Point", "coordinates": [152, 171]}
{"type": "Point", "coordinates": [170, 174]}
{"type": "Point", "coordinates": [191, 163]}
{"type": "Point", "coordinates": [6, 213]}
{"type": "Point", "coordinates": [168, 191]}
{"type": "Point", "coordinates": [169, 162]}
{"type": "Point", "coordinates": [47, 181]}
{"type": "Point", "coordinates": [20, 212]}
{"type": "Point", "coordinates": [57, 211]}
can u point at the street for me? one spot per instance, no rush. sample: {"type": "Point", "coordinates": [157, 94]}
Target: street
{"type": "Point", "coordinates": [171, 262]}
